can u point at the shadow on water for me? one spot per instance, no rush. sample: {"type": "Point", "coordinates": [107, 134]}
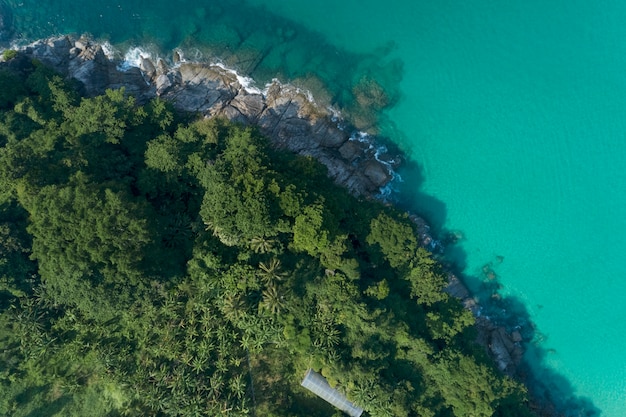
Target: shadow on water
{"type": "Point", "coordinates": [259, 43]}
{"type": "Point", "coordinates": [554, 394]}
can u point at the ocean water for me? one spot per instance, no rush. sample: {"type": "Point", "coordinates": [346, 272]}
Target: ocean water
{"type": "Point", "coordinates": [512, 117]}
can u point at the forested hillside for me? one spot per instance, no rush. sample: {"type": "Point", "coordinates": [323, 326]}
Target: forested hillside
{"type": "Point", "coordinates": [154, 263]}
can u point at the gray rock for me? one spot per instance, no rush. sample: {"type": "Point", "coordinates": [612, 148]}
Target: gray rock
{"type": "Point", "coordinates": [81, 44]}
{"type": "Point", "coordinates": [377, 173]}
{"type": "Point", "coordinates": [163, 84]}
{"type": "Point", "coordinates": [331, 136]}
{"type": "Point", "coordinates": [500, 351]}
{"type": "Point", "coordinates": [350, 150]}
{"type": "Point", "coordinates": [161, 67]}
{"type": "Point", "coordinates": [148, 67]}
{"type": "Point", "coordinates": [249, 105]}
{"type": "Point", "coordinates": [505, 351]}
{"type": "Point", "coordinates": [62, 43]}
{"type": "Point", "coordinates": [234, 114]}
{"type": "Point", "coordinates": [456, 288]}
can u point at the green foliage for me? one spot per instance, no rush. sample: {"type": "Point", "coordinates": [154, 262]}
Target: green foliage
{"type": "Point", "coordinates": [17, 271]}
{"type": "Point", "coordinates": [395, 239]}
{"type": "Point", "coordinates": [87, 240]}
{"type": "Point", "coordinates": [150, 266]}
{"type": "Point", "coordinates": [12, 89]}
{"type": "Point", "coordinates": [9, 54]}
{"type": "Point", "coordinates": [240, 201]}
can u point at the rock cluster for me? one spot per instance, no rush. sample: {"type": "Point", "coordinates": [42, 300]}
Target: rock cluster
{"type": "Point", "coordinates": [284, 113]}
{"type": "Point", "coordinates": [504, 347]}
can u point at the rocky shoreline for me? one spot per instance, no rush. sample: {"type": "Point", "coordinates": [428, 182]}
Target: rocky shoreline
{"type": "Point", "coordinates": [285, 114]}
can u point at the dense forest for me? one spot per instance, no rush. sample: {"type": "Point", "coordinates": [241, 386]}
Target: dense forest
{"type": "Point", "coordinates": [155, 263]}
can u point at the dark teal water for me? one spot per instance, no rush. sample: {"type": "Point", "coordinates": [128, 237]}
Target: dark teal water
{"type": "Point", "coordinates": [513, 115]}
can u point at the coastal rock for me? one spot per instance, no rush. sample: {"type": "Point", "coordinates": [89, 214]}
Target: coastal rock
{"type": "Point", "coordinates": [500, 347]}
{"type": "Point", "coordinates": [148, 68]}
{"type": "Point", "coordinates": [91, 68]}
{"type": "Point", "coordinates": [133, 82]}
{"type": "Point", "coordinates": [350, 150]}
{"type": "Point", "coordinates": [331, 136]}
{"type": "Point", "coordinates": [162, 67]}
{"type": "Point", "coordinates": [81, 44]}
{"type": "Point", "coordinates": [163, 83]}
{"type": "Point", "coordinates": [250, 106]}
{"type": "Point", "coordinates": [456, 288]}
{"type": "Point", "coordinates": [284, 113]}
{"type": "Point", "coordinates": [377, 173]}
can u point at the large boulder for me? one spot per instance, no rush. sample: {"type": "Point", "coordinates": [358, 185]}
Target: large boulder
{"type": "Point", "coordinates": [377, 173]}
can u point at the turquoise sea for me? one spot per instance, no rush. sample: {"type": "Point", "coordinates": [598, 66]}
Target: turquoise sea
{"type": "Point", "coordinates": [512, 117]}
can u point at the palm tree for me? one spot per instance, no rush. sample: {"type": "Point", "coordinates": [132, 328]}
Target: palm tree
{"type": "Point", "coordinates": [362, 393]}
{"type": "Point", "coordinates": [271, 271]}
{"type": "Point", "coordinates": [245, 341]}
{"type": "Point", "coordinates": [273, 301]}
{"type": "Point", "coordinates": [233, 307]}
{"type": "Point", "coordinates": [262, 244]}
{"type": "Point", "coordinates": [237, 386]}
{"type": "Point", "coordinates": [216, 383]}
{"type": "Point", "coordinates": [198, 365]}
{"type": "Point", "coordinates": [328, 337]}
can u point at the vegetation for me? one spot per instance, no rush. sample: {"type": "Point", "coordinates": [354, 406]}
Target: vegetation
{"type": "Point", "coordinates": [9, 54]}
{"type": "Point", "coordinates": [156, 264]}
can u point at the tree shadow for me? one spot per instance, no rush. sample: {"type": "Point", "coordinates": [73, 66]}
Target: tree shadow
{"type": "Point", "coordinates": [52, 408]}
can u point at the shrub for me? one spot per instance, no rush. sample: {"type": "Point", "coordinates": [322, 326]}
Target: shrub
{"type": "Point", "coordinates": [9, 54]}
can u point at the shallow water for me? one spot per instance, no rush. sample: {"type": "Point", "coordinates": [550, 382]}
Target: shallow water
{"type": "Point", "coordinates": [512, 114]}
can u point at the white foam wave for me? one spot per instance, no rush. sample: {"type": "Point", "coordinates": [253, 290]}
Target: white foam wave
{"type": "Point", "coordinates": [108, 49]}
{"type": "Point", "coordinates": [335, 116]}
{"type": "Point", "coordinates": [246, 83]}
{"type": "Point", "coordinates": [188, 55]}
{"type": "Point", "coordinates": [381, 154]}
{"type": "Point", "coordinates": [133, 58]}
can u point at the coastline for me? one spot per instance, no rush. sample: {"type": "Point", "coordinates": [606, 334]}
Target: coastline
{"type": "Point", "coordinates": [286, 114]}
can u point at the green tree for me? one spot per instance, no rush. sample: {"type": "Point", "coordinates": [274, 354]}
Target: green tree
{"type": "Point", "coordinates": [395, 239]}
{"type": "Point", "coordinates": [87, 238]}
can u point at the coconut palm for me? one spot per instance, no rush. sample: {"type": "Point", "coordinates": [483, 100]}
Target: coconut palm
{"type": "Point", "coordinates": [237, 386]}
{"type": "Point", "coordinates": [271, 271]}
{"type": "Point", "coordinates": [198, 365]}
{"type": "Point", "coordinates": [262, 244]}
{"type": "Point", "coordinates": [245, 342]}
{"type": "Point", "coordinates": [233, 307]}
{"type": "Point", "coordinates": [216, 382]}
{"type": "Point", "coordinates": [273, 301]}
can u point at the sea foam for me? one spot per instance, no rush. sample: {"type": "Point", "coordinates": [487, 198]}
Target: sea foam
{"type": "Point", "coordinates": [246, 83]}
{"type": "Point", "coordinates": [134, 56]}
